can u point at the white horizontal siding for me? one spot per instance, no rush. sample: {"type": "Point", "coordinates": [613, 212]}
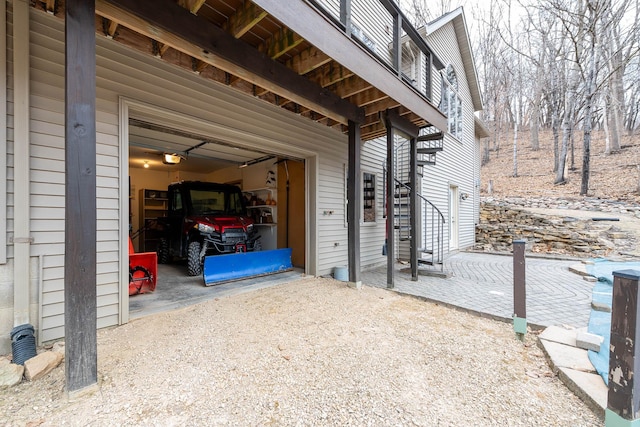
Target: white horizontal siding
{"type": "Point", "coordinates": [372, 234]}
{"type": "Point", "coordinates": [456, 164]}
{"type": "Point", "coordinates": [331, 6]}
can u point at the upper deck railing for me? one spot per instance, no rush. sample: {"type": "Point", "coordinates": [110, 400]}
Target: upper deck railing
{"type": "Point", "coordinates": [381, 28]}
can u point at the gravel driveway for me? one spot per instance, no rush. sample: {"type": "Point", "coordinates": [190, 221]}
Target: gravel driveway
{"type": "Point", "coordinates": [310, 352]}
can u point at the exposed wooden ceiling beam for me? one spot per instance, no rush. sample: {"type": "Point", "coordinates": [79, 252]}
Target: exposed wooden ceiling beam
{"type": "Point", "coordinates": [172, 25]}
{"type": "Point", "coordinates": [384, 104]}
{"type": "Point", "coordinates": [51, 6]}
{"type": "Point", "coordinates": [199, 66]}
{"type": "Point", "coordinates": [329, 74]}
{"type": "Point", "coordinates": [372, 131]}
{"type": "Point", "coordinates": [350, 86]}
{"type": "Point", "coordinates": [320, 32]}
{"type": "Point", "coordinates": [109, 28]}
{"type": "Point", "coordinates": [245, 18]}
{"type": "Point", "coordinates": [308, 60]}
{"type": "Point", "coordinates": [367, 98]}
{"type": "Point", "coordinates": [280, 43]}
{"type": "Point", "coordinates": [192, 6]}
{"type": "Point", "coordinates": [163, 49]}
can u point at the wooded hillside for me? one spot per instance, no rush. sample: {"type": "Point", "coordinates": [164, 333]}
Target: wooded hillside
{"type": "Point", "coordinates": [613, 176]}
{"type": "Point", "coordinates": [567, 72]}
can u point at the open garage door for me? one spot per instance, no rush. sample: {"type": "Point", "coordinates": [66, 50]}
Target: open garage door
{"type": "Point", "coordinates": [273, 187]}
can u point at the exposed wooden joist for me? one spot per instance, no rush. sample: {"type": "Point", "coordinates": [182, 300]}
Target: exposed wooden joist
{"type": "Point", "coordinates": [320, 32]}
{"type": "Point", "coordinates": [192, 6]}
{"type": "Point", "coordinates": [329, 74]}
{"type": "Point", "coordinates": [373, 132]}
{"type": "Point", "coordinates": [373, 123]}
{"type": "Point", "coordinates": [109, 27]}
{"type": "Point", "coordinates": [280, 43]}
{"type": "Point", "coordinates": [350, 86]}
{"type": "Point", "coordinates": [51, 6]}
{"type": "Point", "coordinates": [308, 60]}
{"type": "Point", "coordinates": [367, 98]}
{"type": "Point", "coordinates": [199, 66]}
{"type": "Point", "coordinates": [170, 24]}
{"type": "Point", "coordinates": [384, 104]}
{"type": "Point", "coordinates": [163, 49]}
{"type": "Point", "coordinates": [245, 18]}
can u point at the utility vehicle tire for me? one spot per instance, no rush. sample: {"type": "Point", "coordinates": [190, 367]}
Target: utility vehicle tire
{"type": "Point", "coordinates": [163, 251]}
{"type": "Point", "coordinates": [194, 266]}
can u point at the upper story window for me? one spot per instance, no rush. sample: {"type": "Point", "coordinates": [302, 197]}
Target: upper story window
{"type": "Point", "coordinates": [451, 103]}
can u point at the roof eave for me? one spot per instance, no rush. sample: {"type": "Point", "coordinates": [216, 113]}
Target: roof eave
{"type": "Point", "coordinates": [464, 43]}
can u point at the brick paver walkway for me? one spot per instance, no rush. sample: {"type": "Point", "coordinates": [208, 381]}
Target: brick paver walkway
{"type": "Point", "coordinates": [484, 283]}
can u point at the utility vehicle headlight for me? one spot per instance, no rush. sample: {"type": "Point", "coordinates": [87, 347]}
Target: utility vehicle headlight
{"type": "Point", "coordinates": [204, 228]}
{"type": "Point", "coordinates": [250, 228]}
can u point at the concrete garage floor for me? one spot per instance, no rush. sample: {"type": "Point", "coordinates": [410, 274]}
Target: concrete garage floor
{"type": "Point", "coordinates": [174, 289]}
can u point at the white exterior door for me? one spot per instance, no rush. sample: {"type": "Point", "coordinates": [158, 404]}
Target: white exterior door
{"type": "Point", "coordinates": [453, 217]}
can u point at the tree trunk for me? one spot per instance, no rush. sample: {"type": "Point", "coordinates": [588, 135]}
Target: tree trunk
{"type": "Point", "coordinates": [586, 142]}
{"type": "Point", "coordinates": [567, 129]}
{"type": "Point", "coordinates": [572, 162]}
{"type": "Point", "coordinates": [535, 118]}
{"type": "Point", "coordinates": [562, 158]}
{"type": "Point", "coordinates": [555, 131]}
{"type": "Point", "coordinates": [515, 149]}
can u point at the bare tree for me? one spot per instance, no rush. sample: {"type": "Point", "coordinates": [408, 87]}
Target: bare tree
{"type": "Point", "coordinates": [620, 46]}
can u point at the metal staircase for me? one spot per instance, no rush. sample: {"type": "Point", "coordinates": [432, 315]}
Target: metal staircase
{"type": "Point", "coordinates": [429, 233]}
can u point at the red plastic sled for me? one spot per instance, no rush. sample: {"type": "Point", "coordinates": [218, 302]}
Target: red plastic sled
{"type": "Point", "coordinates": [143, 270]}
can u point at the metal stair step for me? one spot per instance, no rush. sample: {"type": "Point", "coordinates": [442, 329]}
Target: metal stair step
{"type": "Point", "coordinates": [431, 136]}
{"type": "Point", "coordinates": [428, 262]}
{"type": "Point", "coordinates": [425, 163]}
{"type": "Point", "coordinates": [429, 150]}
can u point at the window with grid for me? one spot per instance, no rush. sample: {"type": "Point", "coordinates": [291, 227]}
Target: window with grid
{"type": "Point", "coordinates": [451, 103]}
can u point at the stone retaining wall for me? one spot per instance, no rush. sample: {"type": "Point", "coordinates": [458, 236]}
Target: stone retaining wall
{"type": "Point", "coordinates": [501, 223]}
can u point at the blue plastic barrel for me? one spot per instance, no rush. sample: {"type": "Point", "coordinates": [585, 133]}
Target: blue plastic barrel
{"type": "Point", "coordinates": [23, 343]}
{"type": "Point", "coordinates": [341, 273]}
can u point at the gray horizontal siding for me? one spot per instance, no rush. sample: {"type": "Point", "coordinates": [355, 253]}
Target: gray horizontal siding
{"type": "Point", "coordinates": [121, 72]}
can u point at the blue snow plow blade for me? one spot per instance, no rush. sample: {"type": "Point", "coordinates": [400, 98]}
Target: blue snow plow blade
{"type": "Point", "coordinates": [224, 268]}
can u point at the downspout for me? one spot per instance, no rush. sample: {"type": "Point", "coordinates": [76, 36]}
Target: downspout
{"type": "Point", "coordinates": [21, 231]}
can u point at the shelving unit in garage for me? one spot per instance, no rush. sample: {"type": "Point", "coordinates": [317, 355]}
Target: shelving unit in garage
{"type": "Point", "coordinates": [153, 205]}
{"type": "Point", "coordinates": [261, 206]}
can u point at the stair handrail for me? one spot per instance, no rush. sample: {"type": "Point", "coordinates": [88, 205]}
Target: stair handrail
{"type": "Point", "coordinates": [437, 257]}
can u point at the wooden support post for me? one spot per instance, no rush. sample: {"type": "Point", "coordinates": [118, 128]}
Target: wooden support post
{"type": "Point", "coordinates": [623, 402]}
{"type": "Point", "coordinates": [80, 306]}
{"type": "Point", "coordinates": [391, 173]}
{"type": "Point", "coordinates": [413, 207]}
{"type": "Point", "coordinates": [354, 201]}
{"type": "Point", "coordinates": [519, 289]}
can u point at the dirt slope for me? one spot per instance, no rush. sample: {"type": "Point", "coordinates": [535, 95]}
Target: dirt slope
{"type": "Point", "coordinates": [614, 177]}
